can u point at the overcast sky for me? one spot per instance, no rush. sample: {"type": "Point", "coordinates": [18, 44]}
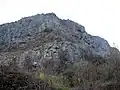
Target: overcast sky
{"type": "Point", "coordinates": [100, 17]}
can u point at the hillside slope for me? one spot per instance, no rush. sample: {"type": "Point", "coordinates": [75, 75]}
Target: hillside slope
{"type": "Point", "coordinates": [51, 52]}
{"type": "Point", "coordinates": [44, 38]}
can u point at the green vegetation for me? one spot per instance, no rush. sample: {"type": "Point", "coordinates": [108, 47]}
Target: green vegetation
{"type": "Point", "coordinates": [89, 77]}
{"type": "Point", "coordinates": [54, 81]}
{"type": "Point", "coordinates": [85, 76]}
{"type": "Point", "coordinates": [42, 76]}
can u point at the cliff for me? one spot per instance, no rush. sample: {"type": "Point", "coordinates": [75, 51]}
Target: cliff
{"type": "Point", "coordinates": [45, 41]}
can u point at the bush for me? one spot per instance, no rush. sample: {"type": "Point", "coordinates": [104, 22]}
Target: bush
{"type": "Point", "coordinates": [10, 80]}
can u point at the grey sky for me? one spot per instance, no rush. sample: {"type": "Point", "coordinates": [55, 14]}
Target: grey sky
{"type": "Point", "coordinates": [100, 17]}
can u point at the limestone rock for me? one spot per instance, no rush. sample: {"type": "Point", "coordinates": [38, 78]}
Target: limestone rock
{"type": "Point", "coordinates": [46, 37]}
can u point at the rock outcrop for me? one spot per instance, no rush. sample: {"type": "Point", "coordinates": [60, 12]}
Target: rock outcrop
{"type": "Point", "coordinates": [45, 41]}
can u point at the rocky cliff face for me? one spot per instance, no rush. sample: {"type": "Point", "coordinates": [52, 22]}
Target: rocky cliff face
{"type": "Point", "coordinates": [45, 41]}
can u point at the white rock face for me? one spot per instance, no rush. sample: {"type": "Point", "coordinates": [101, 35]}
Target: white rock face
{"type": "Point", "coordinates": [53, 38]}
